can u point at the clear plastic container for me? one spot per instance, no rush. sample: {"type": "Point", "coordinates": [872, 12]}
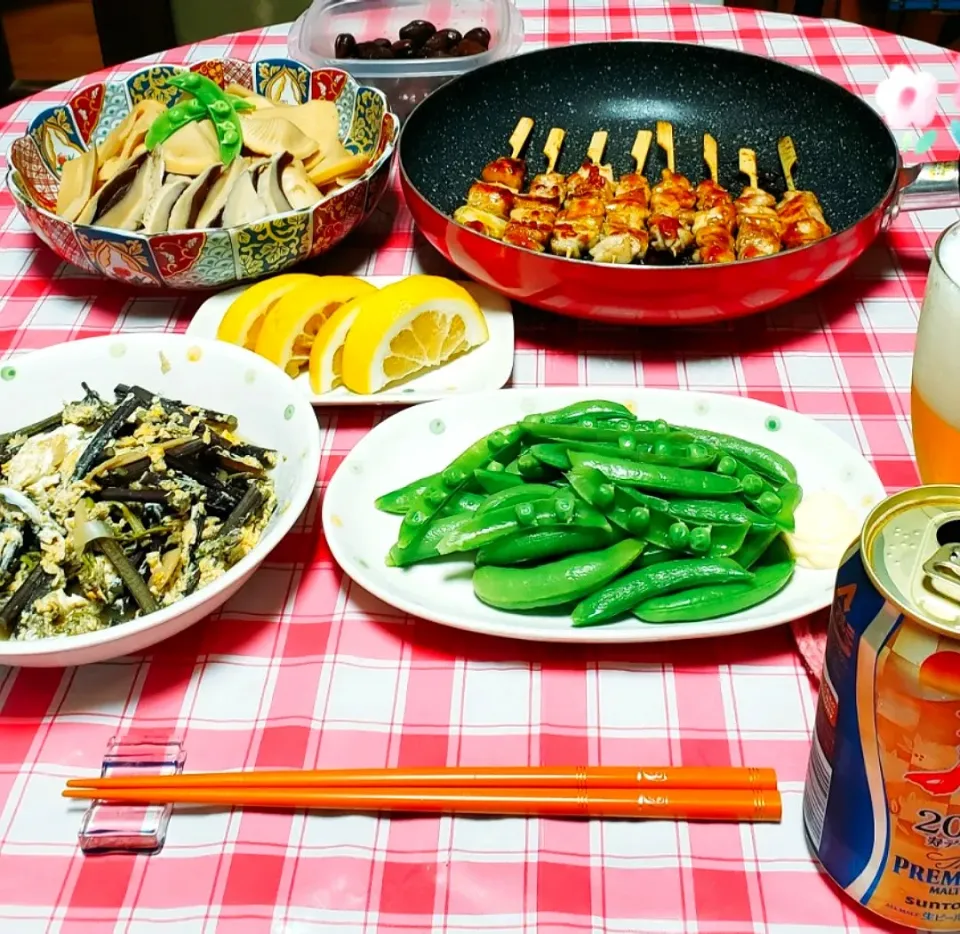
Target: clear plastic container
{"type": "Point", "coordinates": [405, 81]}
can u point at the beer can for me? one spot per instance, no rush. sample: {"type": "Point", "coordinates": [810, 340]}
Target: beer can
{"type": "Point", "coordinates": [881, 804]}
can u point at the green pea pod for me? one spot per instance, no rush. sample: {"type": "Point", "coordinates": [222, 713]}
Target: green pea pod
{"type": "Point", "coordinates": [425, 547]}
{"type": "Point", "coordinates": [219, 108]}
{"type": "Point", "coordinates": [555, 583]}
{"type": "Point", "coordinates": [677, 480]}
{"type": "Point", "coordinates": [523, 493]}
{"type": "Point", "coordinates": [172, 119]}
{"type": "Point", "coordinates": [453, 478]}
{"type": "Point", "coordinates": [762, 460]}
{"type": "Point", "coordinates": [712, 601]}
{"type": "Point", "coordinates": [464, 502]}
{"type": "Point", "coordinates": [629, 591]}
{"type": "Point", "coordinates": [654, 555]}
{"type": "Point", "coordinates": [790, 496]}
{"type": "Point", "coordinates": [591, 408]}
{"type": "Point", "coordinates": [487, 528]}
{"type": "Point", "coordinates": [398, 502]}
{"type": "Point", "coordinates": [755, 545]}
{"type": "Point", "coordinates": [592, 487]}
{"type": "Point", "coordinates": [725, 512]}
{"type": "Point", "coordinates": [534, 545]}
{"type": "Point", "coordinates": [492, 481]}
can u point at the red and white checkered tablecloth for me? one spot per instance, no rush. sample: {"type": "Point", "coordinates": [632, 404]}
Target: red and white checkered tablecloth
{"type": "Point", "coordinates": [302, 669]}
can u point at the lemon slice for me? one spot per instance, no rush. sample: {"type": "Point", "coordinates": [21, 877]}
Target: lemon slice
{"type": "Point", "coordinates": [326, 355]}
{"type": "Point", "coordinates": [406, 328]}
{"type": "Point", "coordinates": [291, 325]}
{"type": "Point", "coordinates": [242, 321]}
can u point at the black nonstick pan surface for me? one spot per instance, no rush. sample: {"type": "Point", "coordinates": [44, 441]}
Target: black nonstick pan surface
{"type": "Point", "coordinates": [845, 152]}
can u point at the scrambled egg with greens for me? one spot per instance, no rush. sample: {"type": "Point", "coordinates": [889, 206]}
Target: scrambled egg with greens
{"type": "Point", "coordinates": [113, 509]}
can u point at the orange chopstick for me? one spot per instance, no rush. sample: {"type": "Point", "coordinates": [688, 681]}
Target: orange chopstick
{"type": "Point", "coordinates": [585, 778]}
{"type": "Point", "coordinates": [759, 804]}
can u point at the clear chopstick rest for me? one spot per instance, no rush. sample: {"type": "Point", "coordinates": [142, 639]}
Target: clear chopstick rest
{"type": "Point", "coordinates": [132, 828]}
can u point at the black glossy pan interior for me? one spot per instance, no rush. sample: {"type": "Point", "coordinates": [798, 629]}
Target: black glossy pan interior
{"type": "Point", "coordinates": [845, 152]}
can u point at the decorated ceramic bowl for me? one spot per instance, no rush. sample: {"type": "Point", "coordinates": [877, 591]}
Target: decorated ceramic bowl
{"type": "Point", "coordinates": [213, 257]}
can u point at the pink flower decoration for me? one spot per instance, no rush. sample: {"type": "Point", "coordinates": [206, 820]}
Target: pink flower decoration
{"type": "Point", "coordinates": [908, 98]}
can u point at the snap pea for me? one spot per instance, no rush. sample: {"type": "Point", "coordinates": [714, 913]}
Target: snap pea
{"type": "Point", "coordinates": [626, 592]}
{"type": "Point", "coordinates": [725, 512]}
{"type": "Point", "coordinates": [511, 495]}
{"type": "Point", "coordinates": [715, 600]}
{"type": "Point", "coordinates": [398, 501]}
{"type": "Point", "coordinates": [593, 487]}
{"type": "Point", "coordinates": [555, 583]}
{"type": "Point", "coordinates": [481, 530]}
{"type": "Point", "coordinates": [596, 408]}
{"type": "Point", "coordinates": [655, 477]}
{"type": "Point", "coordinates": [425, 547]}
{"type": "Point", "coordinates": [755, 545]}
{"type": "Point", "coordinates": [790, 496]}
{"type": "Point", "coordinates": [532, 545]}
{"type": "Point", "coordinates": [492, 481]}
{"type": "Point", "coordinates": [599, 434]}
{"type": "Point", "coordinates": [224, 118]}
{"type": "Point", "coordinates": [769, 463]}
{"type": "Point", "coordinates": [465, 502]}
{"type": "Point", "coordinates": [188, 111]}
{"type": "Point", "coordinates": [452, 480]}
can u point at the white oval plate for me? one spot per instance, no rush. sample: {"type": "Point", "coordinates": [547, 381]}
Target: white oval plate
{"type": "Point", "coordinates": [487, 367]}
{"type": "Point", "coordinates": [424, 439]}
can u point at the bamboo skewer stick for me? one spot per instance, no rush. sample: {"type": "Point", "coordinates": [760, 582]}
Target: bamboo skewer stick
{"type": "Point", "coordinates": [641, 149]}
{"type": "Point", "coordinates": [665, 142]}
{"type": "Point", "coordinates": [710, 157]}
{"type": "Point", "coordinates": [748, 166]}
{"type": "Point", "coordinates": [589, 777]}
{"type": "Point", "coordinates": [598, 142]}
{"type": "Point", "coordinates": [788, 159]}
{"type": "Point", "coordinates": [551, 148]}
{"type": "Point", "coordinates": [520, 135]}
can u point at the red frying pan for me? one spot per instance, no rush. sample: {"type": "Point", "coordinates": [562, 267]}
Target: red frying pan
{"type": "Point", "coordinates": [847, 156]}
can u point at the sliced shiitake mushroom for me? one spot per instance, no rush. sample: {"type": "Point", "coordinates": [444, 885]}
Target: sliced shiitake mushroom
{"type": "Point", "coordinates": [156, 217]}
{"type": "Point", "coordinates": [126, 213]}
{"type": "Point", "coordinates": [211, 212]}
{"type": "Point", "coordinates": [78, 179]}
{"type": "Point", "coordinates": [299, 191]}
{"type": "Point", "coordinates": [268, 184]}
{"type": "Point", "coordinates": [188, 205]}
{"type": "Point", "coordinates": [243, 205]}
{"type": "Point", "coordinates": [110, 193]}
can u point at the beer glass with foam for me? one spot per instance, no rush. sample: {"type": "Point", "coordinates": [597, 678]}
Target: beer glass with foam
{"type": "Point", "coordinates": [935, 389]}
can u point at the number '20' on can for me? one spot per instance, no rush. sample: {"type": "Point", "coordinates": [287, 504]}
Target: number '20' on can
{"type": "Point", "coordinates": [881, 804]}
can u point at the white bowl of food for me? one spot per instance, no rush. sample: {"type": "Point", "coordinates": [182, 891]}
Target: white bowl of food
{"type": "Point", "coordinates": [143, 479]}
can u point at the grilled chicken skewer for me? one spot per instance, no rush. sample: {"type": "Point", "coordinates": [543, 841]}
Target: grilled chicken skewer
{"type": "Point", "coordinates": [758, 231]}
{"type": "Point", "coordinates": [588, 190]}
{"type": "Point", "coordinates": [671, 202]}
{"type": "Point", "coordinates": [716, 217]}
{"type": "Point", "coordinates": [625, 236]}
{"type": "Point", "coordinates": [534, 214]}
{"type": "Point", "coordinates": [800, 214]}
{"type": "Point", "coordinates": [490, 200]}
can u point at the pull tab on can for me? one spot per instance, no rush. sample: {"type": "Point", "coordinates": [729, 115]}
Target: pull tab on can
{"type": "Point", "coordinates": [942, 568]}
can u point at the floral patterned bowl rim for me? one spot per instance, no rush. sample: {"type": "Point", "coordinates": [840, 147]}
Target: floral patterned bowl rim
{"type": "Point", "coordinates": [20, 191]}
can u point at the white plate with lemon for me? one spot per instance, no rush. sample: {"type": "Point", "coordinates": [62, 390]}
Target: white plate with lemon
{"type": "Point", "coordinates": [382, 340]}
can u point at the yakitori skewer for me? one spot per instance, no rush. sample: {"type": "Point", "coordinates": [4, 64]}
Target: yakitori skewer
{"type": "Point", "coordinates": [671, 202]}
{"type": "Point", "coordinates": [716, 217]}
{"type": "Point", "coordinates": [625, 236]}
{"type": "Point", "coordinates": [490, 200]}
{"type": "Point", "coordinates": [801, 215]}
{"type": "Point", "coordinates": [758, 226]}
{"type": "Point", "coordinates": [534, 214]}
{"type": "Point", "coordinates": [588, 190]}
